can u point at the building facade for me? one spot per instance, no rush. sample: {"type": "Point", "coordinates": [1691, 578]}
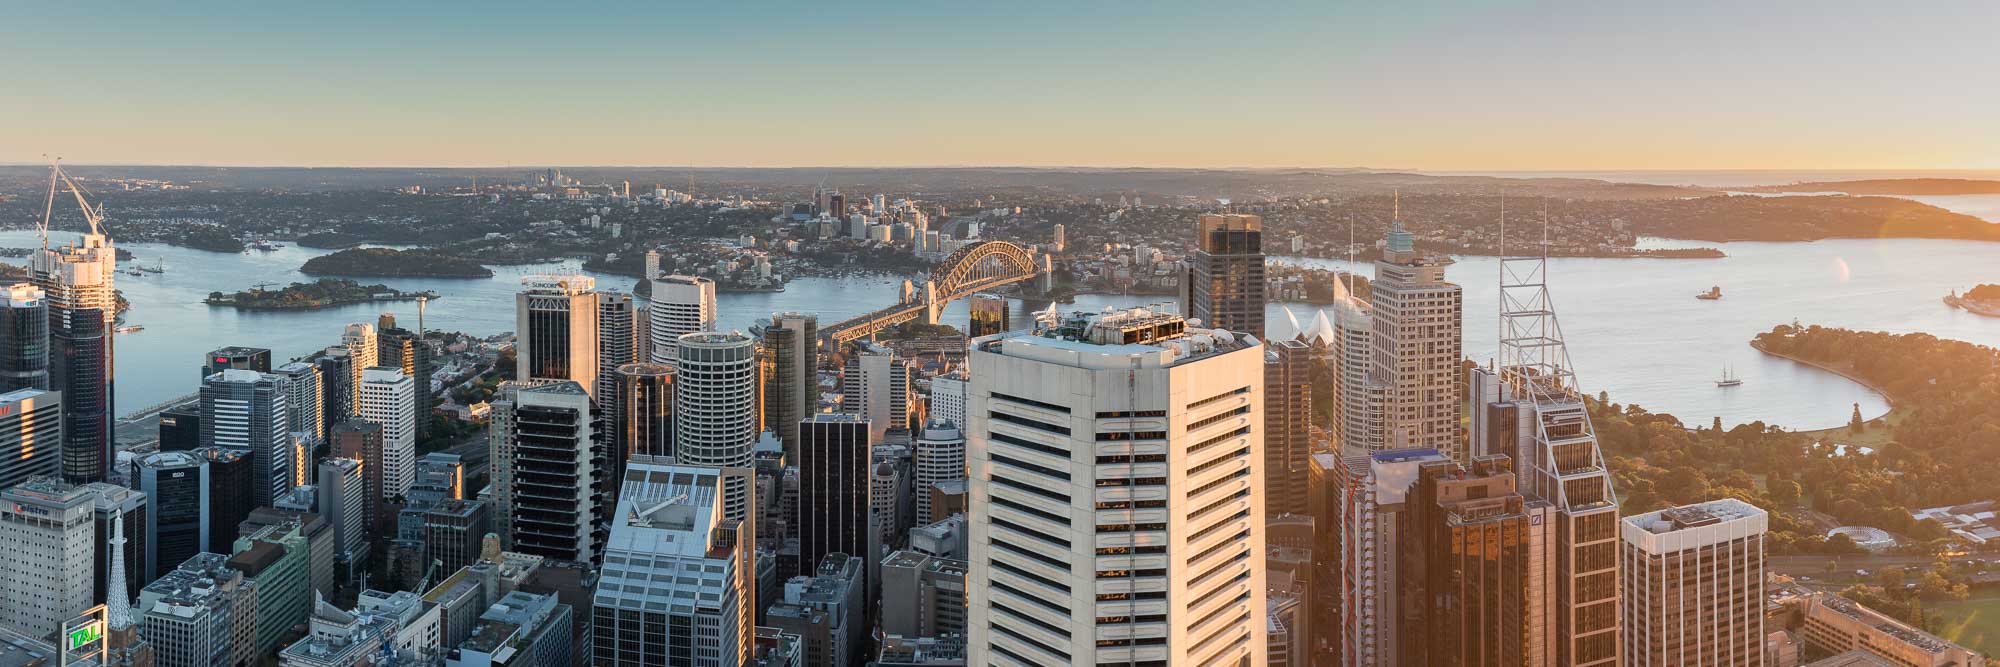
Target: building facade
{"type": "Point", "coordinates": [250, 412]}
{"type": "Point", "coordinates": [31, 435]}
{"type": "Point", "coordinates": [680, 305]}
{"type": "Point", "coordinates": [715, 408]}
{"type": "Point", "coordinates": [24, 339]}
{"type": "Point", "coordinates": [678, 585]}
{"type": "Point", "coordinates": [1126, 443]}
{"type": "Point", "coordinates": [386, 402]}
{"type": "Point", "coordinates": [82, 306]}
{"type": "Point", "coordinates": [1694, 585]}
{"type": "Point", "coordinates": [556, 320]}
{"type": "Point", "coordinates": [1226, 287]}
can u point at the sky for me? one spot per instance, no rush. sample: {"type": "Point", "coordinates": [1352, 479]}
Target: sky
{"type": "Point", "coordinates": [1429, 86]}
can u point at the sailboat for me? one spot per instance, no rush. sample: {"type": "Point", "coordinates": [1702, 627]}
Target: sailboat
{"type": "Point", "coordinates": [1729, 378]}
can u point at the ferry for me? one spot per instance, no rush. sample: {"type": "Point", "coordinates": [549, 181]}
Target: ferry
{"type": "Point", "coordinates": [131, 329]}
{"type": "Point", "coordinates": [1728, 379]}
{"type": "Point", "coordinates": [265, 246]}
{"type": "Point", "coordinates": [1714, 293]}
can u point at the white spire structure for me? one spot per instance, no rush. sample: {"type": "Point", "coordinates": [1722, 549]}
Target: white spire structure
{"type": "Point", "coordinates": [117, 607]}
{"type": "Point", "coordinates": [1293, 319]}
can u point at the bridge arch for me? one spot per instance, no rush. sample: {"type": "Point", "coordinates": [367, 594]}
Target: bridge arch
{"type": "Point", "coordinates": [971, 269]}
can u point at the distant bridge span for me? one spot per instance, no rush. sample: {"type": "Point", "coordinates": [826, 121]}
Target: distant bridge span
{"type": "Point", "coordinates": [972, 269]}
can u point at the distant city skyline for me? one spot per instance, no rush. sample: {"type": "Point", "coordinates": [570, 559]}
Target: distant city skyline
{"type": "Point", "coordinates": [1560, 86]}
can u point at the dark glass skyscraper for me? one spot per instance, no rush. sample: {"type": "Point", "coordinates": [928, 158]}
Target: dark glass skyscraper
{"type": "Point", "coordinates": [229, 493]}
{"type": "Point", "coordinates": [30, 435]}
{"type": "Point", "coordinates": [988, 315]}
{"type": "Point", "coordinates": [238, 357]}
{"type": "Point", "coordinates": [642, 412]}
{"type": "Point", "coordinates": [24, 339]}
{"type": "Point", "coordinates": [791, 388]}
{"type": "Point", "coordinates": [82, 304]}
{"type": "Point", "coordinates": [1225, 287]}
{"type": "Point", "coordinates": [617, 339]}
{"type": "Point", "coordinates": [177, 486]}
{"type": "Point", "coordinates": [834, 458]}
{"type": "Point", "coordinates": [1287, 426]}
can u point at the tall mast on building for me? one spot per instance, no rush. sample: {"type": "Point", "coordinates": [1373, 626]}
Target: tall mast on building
{"type": "Point", "coordinates": [1559, 461]}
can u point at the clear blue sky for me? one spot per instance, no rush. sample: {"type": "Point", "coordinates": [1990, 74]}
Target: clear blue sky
{"type": "Point", "coordinates": [1613, 85]}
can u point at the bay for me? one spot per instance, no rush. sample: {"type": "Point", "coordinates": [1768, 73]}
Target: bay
{"type": "Point", "coordinates": [1633, 325]}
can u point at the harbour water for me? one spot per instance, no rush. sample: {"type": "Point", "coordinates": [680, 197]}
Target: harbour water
{"type": "Point", "coordinates": [1634, 326]}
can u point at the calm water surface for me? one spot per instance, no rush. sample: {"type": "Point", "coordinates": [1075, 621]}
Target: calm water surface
{"type": "Point", "coordinates": [1633, 325]}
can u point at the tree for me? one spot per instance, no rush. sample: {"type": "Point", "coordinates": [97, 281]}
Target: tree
{"type": "Point", "coordinates": [1717, 426]}
{"type": "Point", "coordinates": [1786, 492]}
{"type": "Point", "coordinates": [1855, 424]}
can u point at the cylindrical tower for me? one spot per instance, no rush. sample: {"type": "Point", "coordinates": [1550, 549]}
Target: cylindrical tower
{"type": "Point", "coordinates": [715, 406]}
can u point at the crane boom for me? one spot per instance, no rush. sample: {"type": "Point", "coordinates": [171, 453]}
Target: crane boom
{"type": "Point", "coordinates": [92, 214]}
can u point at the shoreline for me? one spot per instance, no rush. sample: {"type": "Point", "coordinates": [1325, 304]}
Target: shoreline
{"type": "Point", "coordinates": [1849, 375]}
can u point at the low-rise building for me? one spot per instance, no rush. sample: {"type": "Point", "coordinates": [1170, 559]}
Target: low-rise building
{"type": "Point", "coordinates": [1834, 624]}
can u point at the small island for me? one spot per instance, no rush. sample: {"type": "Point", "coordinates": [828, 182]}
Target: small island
{"type": "Point", "coordinates": [325, 293]}
{"type": "Point", "coordinates": [1980, 300]}
{"type": "Point", "coordinates": [392, 263]}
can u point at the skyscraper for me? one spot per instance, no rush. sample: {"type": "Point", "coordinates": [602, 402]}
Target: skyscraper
{"type": "Point", "coordinates": [1372, 492]}
{"type": "Point", "coordinates": [947, 399]}
{"type": "Point", "coordinates": [642, 409]}
{"type": "Point", "coordinates": [237, 357]}
{"type": "Point", "coordinates": [30, 435]}
{"type": "Point", "coordinates": [876, 385]}
{"type": "Point", "coordinates": [1226, 282]}
{"type": "Point", "coordinates": [176, 485]}
{"type": "Point", "coordinates": [940, 457]}
{"type": "Point", "coordinates": [76, 278]}
{"type": "Point", "coordinates": [1694, 585]}
{"type": "Point", "coordinates": [681, 305]}
{"type": "Point", "coordinates": [1287, 425]}
{"type": "Point", "coordinates": [556, 472]}
{"type": "Point", "coordinates": [304, 393]}
{"type": "Point", "coordinates": [24, 339]}
{"type": "Point", "coordinates": [339, 388]}
{"type": "Point", "coordinates": [1559, 462]}
{"type": "Point", "coordinates": [202, 613]}
{"type": "Point", "coordinates": [385, 401]}
{"type": "Point", "coordinates": [362, 441]}
{"type": "Point", "coordinates": [556, 317]}
{"type": "Point", "coordinates": [343, 501]}
{"type": "Point", "coordinates": [405, 350]}
{"type": "Point", "coordinates": [715, 408]}
{"type": "Point", "coordinates": [1417, 343]}
{"type": "Point", "coordinates": [791, 390]}
{"type": "Point", "coordinates": [1478, 558]}
{"type": "Point", "coordinates": [1350, 341]}
{"type": "Point", "coordinates": [249, 412]}
{"type": "Point", "coordinates": [617, 339]}
{"type": "Point", "coordinates": [1170, 498]}
{"type": "Point", "coordinates": [670, 524]}
{"type": "Point", "coordinates": [362, 353]}
{"type": "Point", "coordinates": [49, 554]}
{"type": "Point", "coordinates": [834, 464]}
{"type": "Point", "coordinates": [229, 493]}
{"type": "Point", "coordinates": [987, 315]}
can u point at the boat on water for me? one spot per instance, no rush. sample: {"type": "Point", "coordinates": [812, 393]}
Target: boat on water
{"type": "Point", "coordinates": [130, 329]}
{"type": "Point", "coordinates": [160, 267]}
{"type": "Point", "coordinates": [1714, 293]}
{"type": "Point", "coordinates": [1729, 378]}
{"type": "Point", "coordinates": [265, 246]}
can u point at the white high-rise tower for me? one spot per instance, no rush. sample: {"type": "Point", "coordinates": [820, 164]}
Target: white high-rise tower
{"type": "Point", "coordinates": [1116, 494]}
{"type": "Point", "coordinates": [681, 305]}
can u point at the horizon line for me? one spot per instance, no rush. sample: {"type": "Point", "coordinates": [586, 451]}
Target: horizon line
{"type": "Point", "coordinates": [1362, 169]}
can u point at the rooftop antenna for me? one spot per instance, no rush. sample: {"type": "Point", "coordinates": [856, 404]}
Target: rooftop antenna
{"type": "Point", "coordinates": [1501, 323]}
{"type": "Point", "coordinates": [1396, 207]}
{"type": "Point", "coordinates": [1350, 256]}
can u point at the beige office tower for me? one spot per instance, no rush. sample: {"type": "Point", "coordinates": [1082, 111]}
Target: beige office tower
{"type": "Point", "coordinates": [360, 341]}
{"type": "Point", "coordinates": [555, 324]}
{"type": "Point", "coordinates": [1349, 342]}
{"type": "Point", "coordinates": [1417, 339]}
{"type": "Point", "coordinates": [1694, 585]}
{"type": "Point", "coordinates": [1533, 411]}
{"type": "Point", "coordinates": [1115, 494]}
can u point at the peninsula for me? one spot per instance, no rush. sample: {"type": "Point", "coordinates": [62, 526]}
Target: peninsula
{"type": "Point", "coordinates": [1890, 186]}
{"type": "Point", "coordinates": [392, 263]}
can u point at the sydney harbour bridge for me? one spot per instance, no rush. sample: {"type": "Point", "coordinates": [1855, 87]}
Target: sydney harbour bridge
{"type": "Point", "coordinates": [972, 269]}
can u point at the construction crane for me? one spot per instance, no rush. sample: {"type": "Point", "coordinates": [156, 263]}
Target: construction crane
{"type": "Point", "coordinates": [93, 214]}
{"type": "Point", "coordinates": [425, 583]}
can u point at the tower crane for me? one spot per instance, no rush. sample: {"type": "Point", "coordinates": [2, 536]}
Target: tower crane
{"type": "Point", "coordinates": [93, 214]}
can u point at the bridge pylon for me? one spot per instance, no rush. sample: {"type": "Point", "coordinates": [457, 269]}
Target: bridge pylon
{"type": "Point", "coordinates": [933, 306]}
